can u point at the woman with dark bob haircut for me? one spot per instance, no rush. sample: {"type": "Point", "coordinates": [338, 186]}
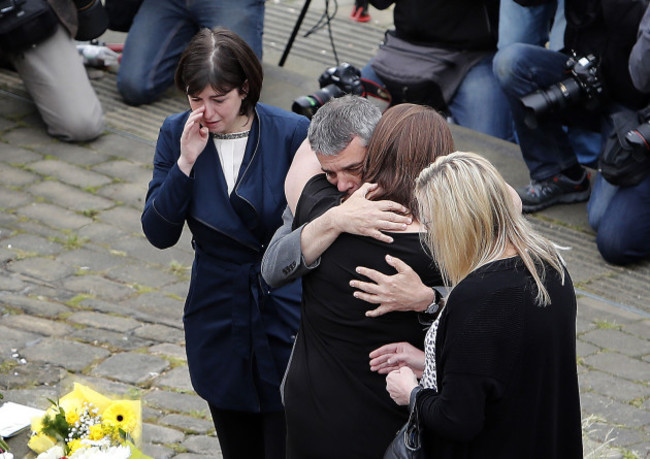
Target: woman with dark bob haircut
{"type": "Point", "coordinates": [220, 167]}
{"type": "Point", "coordinates": [336, 407]}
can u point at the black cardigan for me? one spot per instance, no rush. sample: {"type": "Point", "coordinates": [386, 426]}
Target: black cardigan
{"type": "Point", "coordinates": [507, 371]}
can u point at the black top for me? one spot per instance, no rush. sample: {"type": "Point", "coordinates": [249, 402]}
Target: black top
{"type": "Point", "coordinates": [506, 370]}
{"type": "Point", "coordinates": [470, 25]}
{"type": "Point", "coordinates": [335, 406]}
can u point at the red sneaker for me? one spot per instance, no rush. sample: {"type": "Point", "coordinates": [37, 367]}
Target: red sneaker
{"type": "Point", "coordinates": [360, 14]}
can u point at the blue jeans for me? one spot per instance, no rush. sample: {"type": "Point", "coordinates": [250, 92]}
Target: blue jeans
{"type": "Point", "coordinates": [479, 102]}
{"type": "Point", "coordinates": [162, 29]}
{"type": "Point", "coordinates": [521, 69]}
{"type": "Point", "coordinates": [621, 219]}
{"type": "Point", "coordinates": [534, 25]}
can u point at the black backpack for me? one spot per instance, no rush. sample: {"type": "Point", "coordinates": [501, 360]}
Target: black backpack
{"type": "Point", "coordinates": [625, 160]}
{"type": "Point", "coordinates": [24, 23]}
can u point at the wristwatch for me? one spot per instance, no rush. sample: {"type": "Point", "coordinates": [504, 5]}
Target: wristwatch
{"type": "Point", "coordinates": [435, 304]}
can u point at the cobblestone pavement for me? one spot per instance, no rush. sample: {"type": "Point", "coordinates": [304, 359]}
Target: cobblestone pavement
{"type": "Point", "coordinates": [84, 297]}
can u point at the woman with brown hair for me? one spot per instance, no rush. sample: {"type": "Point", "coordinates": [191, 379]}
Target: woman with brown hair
{"type": "Point", "coordinates": [335, 406]}
{"type": "Point", "coordinates": [220, 167]}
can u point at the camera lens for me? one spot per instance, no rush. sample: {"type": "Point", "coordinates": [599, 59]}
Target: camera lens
{"type": "Point", "coordinates": [554, 98]}
{"type": "Point", "coordinates": [308, 105]}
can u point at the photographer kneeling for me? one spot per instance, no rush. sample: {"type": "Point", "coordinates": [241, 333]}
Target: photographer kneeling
{"type": "Point", "coordinates": [585, 92]}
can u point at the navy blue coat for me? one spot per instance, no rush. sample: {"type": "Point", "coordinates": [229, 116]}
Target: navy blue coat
{"type": "Point", "coordinates": [238, 331]}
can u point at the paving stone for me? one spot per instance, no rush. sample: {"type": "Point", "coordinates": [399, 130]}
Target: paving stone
{"type": "Point", "coordinates": [150, 414]}
{"type": "Point", "coordinates": [131, 194]}
{"type": "Point", "coordinates": [98, 320]}
{"type": "Point", "coordinates": [177, 378]}
{"type": "Point", "coordinates": [30, 375]}
{"type": "Point", "coordinates": [131, 368]}
{"type": "Point", "coordinates": [126, 171]}
{"type": "Point", "coordinates": [99, 287]}
{"type": "Point", "coordinates": [27, 137]}
{"type": "Point", "coordinates": [93, 259]}
{"type": "Point", "coordinates": [102, 306]}
{"type": "Point", "coordinates": [73, 154]}
{"type": "Point", "coordinates": [32, 243]}
{"type": "Point", "coordinates": [35, 397]}
{"type": "Point", "coordinates": [10, 199]}
{"type": "Point", "coordinates": [70, 174]}
{"type": "Point", "coordinates": [641, 329]}
{"type": "Point", "coordinates": [15, 177]}
{"type": "Point", "coordinates": [179, 289]}
{"type": "Point", "coordinates": [140, 273]}
{"type": "Point", "coordinates": [620, 365]}
{"type": "Point", "coordinates": [613, 387]}
{"type": "Point", "coordinates": [618, 341]}
{"type": "Point", "coordinates": [189, 425]}
{"type": "Point", "coordinates": [170, 350]}
{"type": "Point", "coordinates": [159, 434]}
{"type": "Point", "coordinates": [114, 340]}
{"type": "Point", "coordinates": [38, 307]}
{"type": "Point", "coordinates": [67, 354]}
{"type": "Point", "coordinates": [128, 216]}
{"type": "Point", "coordinates": [35, 325]}
{"type": "Point", "coordinates": [612, 411]}
{"type": "Point", "coordinates": [156, 307]}
{"type": "Point", "coordinates": [583, 349]}
{"type": "Point", "coordinates": [139, 248]}
{"type": "Point", "coordinates": [6, 124]}
{"type": "Point", "coordinates": [55, 216]}
{"type": "Point", "coordinates": [159, 332]}
{"type": "Point", "coordinates": [21, 225]}
{"type": "Point", "coordinates": [10, 282]}
{"type": "Point", "coordinates": [196, 456]}
{"type": "Point", "coordinates": [14, 340]}
{"type": "Point", "coordinates": [179, 403]}
{"type": "Point", "coordinates": [101, 233]}
{"type": "Point", "coordinates": [69, 197]}
{"type": "Point", "coordinates": [44, 269]}
{"type": "Point", "coordinates": [594, 310]}
{"type": "Point", "coordinates": [158, 451]}
{"type": "Point", "coordinates": [129, 148]}
{"type": "Point", "coordinates": [203, 444]}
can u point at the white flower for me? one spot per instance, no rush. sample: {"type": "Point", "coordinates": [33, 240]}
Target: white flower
{"type": "Point", "coordinates": [55, 452]}
{"type": "Point", "coordinates": [113, 452]}
{"type": "Point", "coordinates": [6, 456]}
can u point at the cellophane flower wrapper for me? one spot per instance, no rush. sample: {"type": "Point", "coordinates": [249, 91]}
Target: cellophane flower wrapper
{"type": "Point", "coordinates": [85, 424]}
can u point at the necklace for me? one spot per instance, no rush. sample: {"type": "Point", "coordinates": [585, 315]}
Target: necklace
{"type": "Point", "coordinates": [234, 135]}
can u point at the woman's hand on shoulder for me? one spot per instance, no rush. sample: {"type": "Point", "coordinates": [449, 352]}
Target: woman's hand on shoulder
{"type": "Point", "coordinates": [393, 356]}
{"type": "Point", "coordinates": [193, 141]}
{"type": "Point", "coordinates": [400, 383]}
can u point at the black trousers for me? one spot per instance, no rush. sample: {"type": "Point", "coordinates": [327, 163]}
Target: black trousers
{"type": "Point", "coordinates": [250, 435]}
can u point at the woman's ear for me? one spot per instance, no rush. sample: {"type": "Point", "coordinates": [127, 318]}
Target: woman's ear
{"type": "Point", "coordinates": [243, 91]}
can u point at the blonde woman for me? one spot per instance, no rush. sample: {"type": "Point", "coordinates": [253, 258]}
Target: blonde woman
{"type": "Point", "coordinates": [499, 378]}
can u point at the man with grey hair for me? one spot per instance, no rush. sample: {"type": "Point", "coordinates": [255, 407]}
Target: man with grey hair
{"type": "Point", "coordinates": [336, 145]}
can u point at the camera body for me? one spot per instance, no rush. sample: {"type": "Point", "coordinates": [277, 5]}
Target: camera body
{"type": "Point", "coordinates": [584, 85]}
{"type": "Point", "coordinates": [7, 6]}
{"type": "Point", "coordinates": [334, 82]}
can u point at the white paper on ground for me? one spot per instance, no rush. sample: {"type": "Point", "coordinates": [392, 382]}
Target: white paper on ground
{"type": "Point", "coordinates": [14, 417]}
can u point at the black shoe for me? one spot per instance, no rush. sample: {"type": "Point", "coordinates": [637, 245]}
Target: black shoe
{"type": "Point", "coordinates": [557, 189]}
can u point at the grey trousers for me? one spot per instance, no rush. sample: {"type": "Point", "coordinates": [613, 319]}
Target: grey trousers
{"type": "Point", "coordinates": [55, 77]}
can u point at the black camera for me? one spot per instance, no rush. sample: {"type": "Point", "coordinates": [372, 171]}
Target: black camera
{"type": "Point", "coordinates": [334, 82]}
{"type": "Point", "coordinates": [584, 85]}
{"type": "Point", "coordinates": [7, 6]}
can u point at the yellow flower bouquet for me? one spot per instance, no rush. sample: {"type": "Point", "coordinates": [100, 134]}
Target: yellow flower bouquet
{"type": "Point", "coordinates": [85, 424]}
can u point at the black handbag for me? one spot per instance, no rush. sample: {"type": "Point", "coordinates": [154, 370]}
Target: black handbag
{"type": "Point", "coordinates": [121, 13]}
{"type": "Point", "coordinates": [24, 23]}
{"type": "Point", "coordinates": [407, 444]}
{"type": "Point", "coordinates": [625, 160]}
